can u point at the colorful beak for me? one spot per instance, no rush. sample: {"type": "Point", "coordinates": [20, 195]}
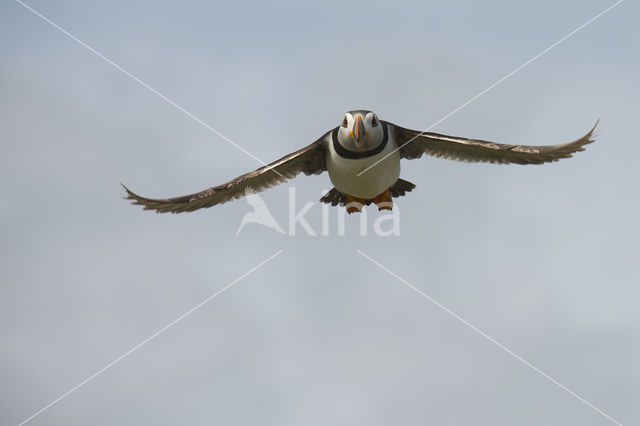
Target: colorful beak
{"type": "Point", "coordinates": [358, 129]}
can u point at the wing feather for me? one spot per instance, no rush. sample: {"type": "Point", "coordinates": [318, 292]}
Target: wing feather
{"type": "Point", "coordinates": [308, 160]}
{"type": "Point", "coordinates": [413, 144]}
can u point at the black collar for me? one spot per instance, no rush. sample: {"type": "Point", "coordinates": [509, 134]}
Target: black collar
{"type": "Point", "coordinates": [345, 153]}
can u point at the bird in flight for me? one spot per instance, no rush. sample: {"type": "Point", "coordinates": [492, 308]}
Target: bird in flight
{"type": "Point", "coordinates": [362, 156]}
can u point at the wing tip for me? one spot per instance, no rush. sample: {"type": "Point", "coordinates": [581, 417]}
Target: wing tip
{"type": "Point", "coordinates": [591, 136]}
{"type": "Point", "coordinates": [130, 195]}
{"type": "Point", "coordinates": [146, 203]}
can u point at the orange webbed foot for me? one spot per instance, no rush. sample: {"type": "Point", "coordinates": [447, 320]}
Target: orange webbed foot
{"type": "Point", "coordinates": [384, 201]}
{"type": "Point", "coordinates": [354, 204]}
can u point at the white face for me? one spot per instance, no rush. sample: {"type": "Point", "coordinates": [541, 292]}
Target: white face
{"type": "Point", "coordinates": [360, 131]}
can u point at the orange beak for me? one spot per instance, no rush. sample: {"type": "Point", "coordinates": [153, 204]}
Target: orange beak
{"type": "Point", "coordinates": [358, 129]}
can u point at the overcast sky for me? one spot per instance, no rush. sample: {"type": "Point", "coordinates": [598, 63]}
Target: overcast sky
{"type": "Point", "coordinates": [543, 259]}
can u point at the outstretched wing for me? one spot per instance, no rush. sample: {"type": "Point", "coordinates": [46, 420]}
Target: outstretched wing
{"type": "Point", "coordinates": [308, 160]}
{"type": "Point", "coordinates": [414, 143]}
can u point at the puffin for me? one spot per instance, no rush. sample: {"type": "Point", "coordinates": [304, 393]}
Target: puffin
{"type": "Point", "coordinates": [362, 156]}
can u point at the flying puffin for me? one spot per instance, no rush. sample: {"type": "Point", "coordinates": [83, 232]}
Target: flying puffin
{"type": "Point", "coordinates": [362, 156]}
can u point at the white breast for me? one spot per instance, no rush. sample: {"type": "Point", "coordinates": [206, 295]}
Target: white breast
{"type": "Point", "coordinates": [343, 172]}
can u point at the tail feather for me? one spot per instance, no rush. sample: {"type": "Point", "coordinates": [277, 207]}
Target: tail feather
{"type": "Point", "coordinates": [400, 188]}
{"type": "Point", "coordinates": [334, 197]}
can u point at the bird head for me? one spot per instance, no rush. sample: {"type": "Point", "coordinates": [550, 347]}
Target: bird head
{"type": "Point", "coordinates": [360, 130]}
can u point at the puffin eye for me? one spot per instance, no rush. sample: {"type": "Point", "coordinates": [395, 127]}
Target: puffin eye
{"type": "Point", "coordinates": [374, 121]}
{"type": "Point", "coordinates": [345, 122]}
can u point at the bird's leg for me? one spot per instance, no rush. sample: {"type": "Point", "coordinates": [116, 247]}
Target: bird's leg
{"type": "Point", "coordinates": [384, 201]}
{"type": "Point", "coordinates": [354, 204]}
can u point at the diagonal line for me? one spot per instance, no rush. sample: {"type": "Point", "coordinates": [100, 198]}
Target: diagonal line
{"type": "Point", "coordinates": [495, 84]}
{"type": "Point", "coordinates": [486, 336]}
{"type": "Point", "coordinates": [148, 339]}
{"type": "Point", "coordinates": [136, 79]}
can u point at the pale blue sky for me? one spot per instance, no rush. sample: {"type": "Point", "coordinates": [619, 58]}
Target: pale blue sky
{"type": "Point", "coordinates": [542, 258]}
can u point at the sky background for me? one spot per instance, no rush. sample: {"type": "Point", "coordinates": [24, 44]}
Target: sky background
{"type": "Point", "coordinates": [541, 258]}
